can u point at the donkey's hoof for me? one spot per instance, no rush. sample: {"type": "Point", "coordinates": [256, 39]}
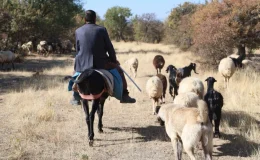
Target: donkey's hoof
{"type": "Point", "coordinates": [90, 143]}
{"type": "Point", "coordinates": [217, 135]}
{"type": "Point", "coordinates": [100, 131]}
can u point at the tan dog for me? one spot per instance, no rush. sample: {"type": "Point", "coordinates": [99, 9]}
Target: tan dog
{"type": "Point", "coordinates": [187, 126]}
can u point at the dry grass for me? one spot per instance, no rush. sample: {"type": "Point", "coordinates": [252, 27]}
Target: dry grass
{"type": "Point", "coordinates": [37, 121]}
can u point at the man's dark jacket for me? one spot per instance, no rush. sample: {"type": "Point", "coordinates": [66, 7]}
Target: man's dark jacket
{"type": "Point", "coordinates": [92, 45]}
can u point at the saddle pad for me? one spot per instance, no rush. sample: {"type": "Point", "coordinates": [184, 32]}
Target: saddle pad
{"type": "Point", "coordinates": [113, 82]}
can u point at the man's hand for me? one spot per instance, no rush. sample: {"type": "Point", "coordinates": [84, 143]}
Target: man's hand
{"type": "Point", "coordinates": [73, 72]}
{"type": "Point", "coordinates": [117, 62]}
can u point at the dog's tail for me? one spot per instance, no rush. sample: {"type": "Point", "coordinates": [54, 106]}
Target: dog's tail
{"type": "Point", "coordinates": [207, 133]}
{"type": "Point", "coordinates": [207, 140]}
{"type": "Point", "coordinates": [203, 112]}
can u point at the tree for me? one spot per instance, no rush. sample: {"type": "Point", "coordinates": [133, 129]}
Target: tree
{"type": "Point", "coordinates": [41, 19]}
{"type": "Point", "coordinates": [5, 20]}
{"type": "Point", "coordinates": [178, 29]}
{"type": "Point", "coordinates": [147, 28]}
{"type": "Point", "coordinates": [99, 21]}
{"type": "Point", "coordinates": [116, 22]}
{"type": "Point", "coordinates": [221, 26]}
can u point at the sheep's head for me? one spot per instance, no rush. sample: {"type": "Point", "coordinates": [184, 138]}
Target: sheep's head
{"type": "Point", "coordinates": [210, 81]}
{"type": "Point", "coordinates": [193, 66]}
{"type": "Point", "coordinates": [170, 67]}
{"type": "Point", "coordinates": [237, 62]}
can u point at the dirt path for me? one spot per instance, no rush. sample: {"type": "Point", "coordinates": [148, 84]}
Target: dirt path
{"type": "Point", "coordinates": [130, 132]}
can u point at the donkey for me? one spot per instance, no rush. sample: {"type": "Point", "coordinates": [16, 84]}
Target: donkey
{"type": "Point", "coordinates": [92, 86]}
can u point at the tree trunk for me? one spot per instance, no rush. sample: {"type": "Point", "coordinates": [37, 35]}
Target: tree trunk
{"type": "Point", "coordinates": [241, 50]}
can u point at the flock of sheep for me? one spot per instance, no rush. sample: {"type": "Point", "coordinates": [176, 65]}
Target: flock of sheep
{"type": "Point", "coordinates": [188, 119]}
{"type": "Point", "coordinates": [44, 48]}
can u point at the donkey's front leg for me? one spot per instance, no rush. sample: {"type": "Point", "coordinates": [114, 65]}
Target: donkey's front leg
{"type": "Point", "coordinates": [91, 118]}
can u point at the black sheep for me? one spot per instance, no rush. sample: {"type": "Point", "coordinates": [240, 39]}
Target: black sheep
{"type": "Point", "coordinates": [186, 71]}
{"type": "Point", "coordinates": [214, 101]}
{"type": "Point", "coordinates": [158, 63]}
{"type": "Point", "coordinates": [238, 61]}
{"type": "Point", "coordinates": [173, 80]}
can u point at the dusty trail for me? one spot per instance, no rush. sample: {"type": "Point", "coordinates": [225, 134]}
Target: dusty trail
{"type": "Point", "coordinates": [130, 130]}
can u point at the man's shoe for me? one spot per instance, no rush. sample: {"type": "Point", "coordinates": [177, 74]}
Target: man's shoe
{"type": "Point", "coordinates": [127, 99]}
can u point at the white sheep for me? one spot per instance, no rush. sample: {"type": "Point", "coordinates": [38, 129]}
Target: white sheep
{"type": "Point", "coordinates": [192, 84]}
{"type": "Point", "coordinates": [154, 88]}
{"type": "Point", "coordinates": [42, 48]}
{"type": "Point", "coordinates": [188, 99]}
{"type": "Point", "coordinates": [234, 56]}
{"type": "Point", "coordinates": [49, 48]}
{"type": "Point", "coordinates": [7, 57]}
{"type": "Point", "coordinates": [27, 46]}
{"type": "Point", "coordinates": [226, 68]}
{"type": "Point", "coordinates": [133, 65]}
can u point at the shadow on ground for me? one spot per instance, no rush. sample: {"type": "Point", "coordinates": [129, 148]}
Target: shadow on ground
{"type": "Point", "coordinates": [32, 65]}
{"type": "Point", "coordinates": [149, 133]}
{"type": "Point", "coordinates": [238, 119]}
{"type": "Point", "coordinates": [144, 52]}
{"type": "Point", "coordinates": [10, 81]}
{"type": "Point", "coordinates": [16, 83]}
{"type": "Point", "coordinates": [238, 145]}
{"type": "Point", "coordinates": [148, 75]}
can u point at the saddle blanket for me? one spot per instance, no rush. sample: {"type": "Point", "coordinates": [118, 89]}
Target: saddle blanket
{"type": "Point", "coordinates": [113, 80]}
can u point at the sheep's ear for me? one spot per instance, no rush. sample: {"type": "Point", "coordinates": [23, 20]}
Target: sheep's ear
{"type": "Point", "coordinates": [215, 80]}
{"type": "Point", "coordinates": [167, 69]}
{"type": "Point", "coordinates": [206, 79]}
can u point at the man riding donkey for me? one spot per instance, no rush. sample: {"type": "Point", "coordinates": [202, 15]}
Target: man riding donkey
{"type": "Point", "coordinates": [95, 50]}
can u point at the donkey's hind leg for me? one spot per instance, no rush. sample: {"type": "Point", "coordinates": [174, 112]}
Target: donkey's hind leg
{"type": "Point", "coordinates": [95, 106]}
{"type": "Point", "coordinates": [86, 110]}
{"type": "Point", "coordinates": [100, 115]}
{"type": "Point", "coordinates": [100, 111]}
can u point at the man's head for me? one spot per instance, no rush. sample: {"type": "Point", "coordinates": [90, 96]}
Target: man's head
{"type": "Point", "coordinates": [90, 16]}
